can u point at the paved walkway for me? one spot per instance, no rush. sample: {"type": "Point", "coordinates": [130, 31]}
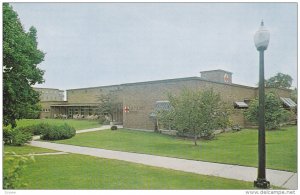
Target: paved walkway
{"type": "Point", "coordinates": [278, 178]}
{"type": "Point", "coordinates": [104, 127]}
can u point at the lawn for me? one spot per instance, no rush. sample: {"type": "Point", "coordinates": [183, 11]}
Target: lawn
{"type": "Point", "coordinates": [233, 148]}
{"type": "Point", "coordinates": [72, 171]}
{"type": "Point", "coordinates": [77, 124]}
{"type": "Point", "coordinates": [26, 149]}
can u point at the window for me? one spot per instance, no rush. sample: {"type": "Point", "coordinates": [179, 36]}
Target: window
{"type": "Point", "coordinates": [162, 105]}
{"type": "Point", "coordinates": [76, 111]}
{"type": "Point", "coordinates": [46, 110]}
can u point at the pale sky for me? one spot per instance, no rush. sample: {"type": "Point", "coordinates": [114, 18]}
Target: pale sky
{"type": "Point", "coordinates": [97, 44]}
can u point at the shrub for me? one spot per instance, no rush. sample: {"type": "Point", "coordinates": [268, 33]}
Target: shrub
{"type": "Point", "coordinates": [102, 120]}
{"type": "Point", "coordinates": [275, 115]}
{"type": "Point", "coordinates": [196, 113]}
{"type": "Point", "coordinates": [16, 136]}
{"type": "Point", "coordinates": [36, 129]}
{"type": "Point", "coordinates": [184, 133]}
{"type": "Point", "coordinates": [27, 129]}
{"type": "Point", "coordinates": [207, 134]}
{"type": "Point", "coordinates": [39, 128]}
{"type": "Point", "coordinates": [7, 136]}
{"type": "Point", "coordinates": [55, 132]}
{"type": "Point", "coordinates": [14, 166]}
{"type": "Point", "coordinates": [67, 131]}
{"type": "Point", "coordinates": [114, 127]}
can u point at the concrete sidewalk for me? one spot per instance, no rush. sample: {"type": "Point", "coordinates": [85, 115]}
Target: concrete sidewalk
{"type": "Point", "coordinates": [277, 178]}
{"type": "Point", "coordinates": [104, 127]}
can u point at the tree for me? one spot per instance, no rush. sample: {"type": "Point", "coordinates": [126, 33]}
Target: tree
{"type": "Point", "coordinates": [16, 164]}
{"type": "Point", "coordinates": [20, 59]}
{"type": "Point", "coordinates": [197, 113]}
{"type": "Point", "coordinates": [109, 105]}
{"type": "Point", "coordinates": [274, 113]}
{"type": "Point", "coordinates": [294, 95]}
{"type": "Point", "coordinates": [280, 81]}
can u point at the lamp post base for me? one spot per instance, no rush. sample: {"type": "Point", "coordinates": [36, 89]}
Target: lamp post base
{"type": "Point", "coordinates": [262, 183]}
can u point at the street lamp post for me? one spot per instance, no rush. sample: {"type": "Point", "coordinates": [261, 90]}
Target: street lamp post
{"type": "Point", "coordinates": [261, 40]}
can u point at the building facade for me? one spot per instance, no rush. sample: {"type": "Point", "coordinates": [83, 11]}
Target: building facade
{"type": "Point", "coordinates": [48, 97]}
{"type": "Point", "coordinates": [49, 94]}
{"type": "Point", "coordinates": [139, 100]}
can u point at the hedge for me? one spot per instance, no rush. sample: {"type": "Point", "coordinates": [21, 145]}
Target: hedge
{"type": "Point", "coordinates": [21, 135]}
{"type": "Point", "coordinates": [56, 132]}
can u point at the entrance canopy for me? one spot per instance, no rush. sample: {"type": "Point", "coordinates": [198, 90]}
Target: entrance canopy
{"type": "Point", "coordinates": [288, 102]}
{"type": "Point", "coordinates": [240, 105]}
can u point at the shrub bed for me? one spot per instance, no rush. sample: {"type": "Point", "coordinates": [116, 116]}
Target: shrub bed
{"type": "Point", "coordinates": [16, 136]}
{"type": "Point", "coordinates": [39, 128]}
{"type": "Point", "coordinates": [114, 127]}
{"type": "Point", "coordinates": [57, 132]}
{"type": "Point", "coordinates": [21, 135]}
{"type": "Point", "coordinates": [36, 129]}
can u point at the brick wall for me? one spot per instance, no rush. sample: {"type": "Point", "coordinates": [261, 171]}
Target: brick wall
{"type": "Point", "coordinates": [49, 94]}
{"type": "Point", "coordinates": [91, 95]}
{"type": "Point", "coordinates": [141, 97]}
{"type": "Point", "coordinates": [46, 108]}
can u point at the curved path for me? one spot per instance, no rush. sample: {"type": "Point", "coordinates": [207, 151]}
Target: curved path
{"type": "Point", "coordinates": [278, 178]}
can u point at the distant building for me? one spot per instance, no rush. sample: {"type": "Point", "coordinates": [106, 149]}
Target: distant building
{"type": "Point", "coordinates": [140, 100]}
{"type": "Point", "coordinates": [49, 94]}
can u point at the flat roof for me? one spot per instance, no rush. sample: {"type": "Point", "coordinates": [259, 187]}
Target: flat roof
{"type": "Point", "coordinates": [220, 70]}
{"type": "Point", "coordinates": [47, 88]}
{"type": "Point", "coordinates": [164, 81]}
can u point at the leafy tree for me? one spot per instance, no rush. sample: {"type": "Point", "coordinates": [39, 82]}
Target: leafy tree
{"type": "Point", "coordinates": [279, 81]}
{"type": "Point", "coordinates": [20, 59]}
{"type": "Point", "coordinates": [294, 95]}
{"type": "Point", "coordinates": [196, 113]}
{"type": "Point", "coordinates": [15, 169]}
{"type": "Point", "coordinates": [274, 113]}
{"type": "Point", "coordinates": [163, 119]}
{"type": "Point", "coordinates": [109, 105]}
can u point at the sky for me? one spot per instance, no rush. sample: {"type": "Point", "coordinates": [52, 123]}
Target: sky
{"type": "Point", "coordinates": [98, 44]}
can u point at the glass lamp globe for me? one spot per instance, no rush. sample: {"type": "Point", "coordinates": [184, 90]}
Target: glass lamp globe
{"type": "Point", "coordinates": [262, 38]}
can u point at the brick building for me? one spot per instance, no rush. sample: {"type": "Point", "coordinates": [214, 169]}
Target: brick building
{"type": "Point", "coordinates": [49, 94]}
{"type": "Point", "coordinates": [48, 97]}
{"type": "Point", "coordinates": [140, 99]}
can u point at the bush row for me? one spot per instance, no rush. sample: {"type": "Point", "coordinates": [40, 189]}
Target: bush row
{"type": "Point", "coordinates": [21, 135]}
{"type": "Point", "coordinates": [16, 137]}
{"type": "Point", "coordinates": [58, 132]}
{"type": "Point", "coordinates": [37, 129]}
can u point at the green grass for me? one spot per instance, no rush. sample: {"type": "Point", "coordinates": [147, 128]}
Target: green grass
{"type": "Point", "coordinates": [233, 148]}
{"type": "Point", "coordinates": [77, 124]}
{"type": "Point", "coordinates": [74, 171]}
{"type": "Point", "coordinates": [26, 149]}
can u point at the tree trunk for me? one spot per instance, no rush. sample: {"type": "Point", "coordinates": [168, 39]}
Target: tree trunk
{"type": "Point", "coordinates": [112, 117]}
{"type": "Point", "coordinates": [195, 140]}
{"type": "Point", "coordinates": [156, 126]}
